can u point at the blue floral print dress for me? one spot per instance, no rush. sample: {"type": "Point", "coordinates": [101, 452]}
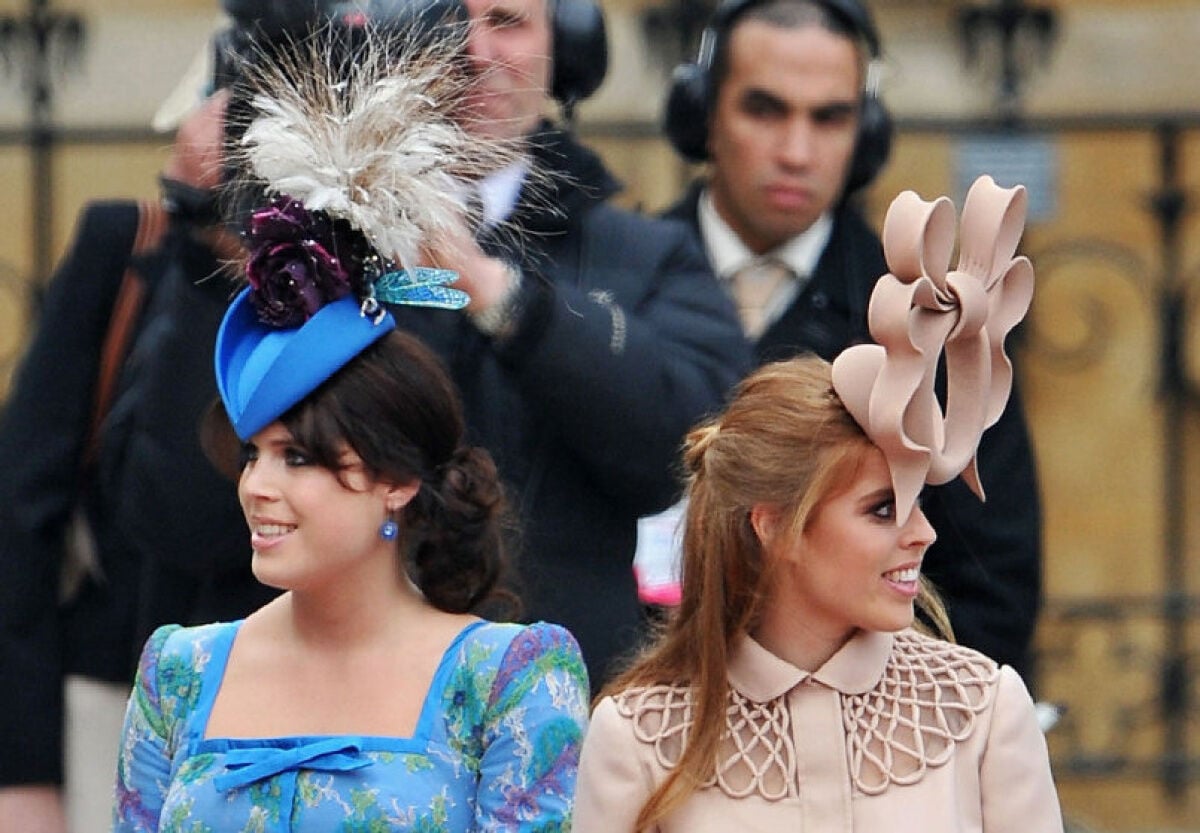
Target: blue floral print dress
{"type": "Point", "coordinates": [496, 746]}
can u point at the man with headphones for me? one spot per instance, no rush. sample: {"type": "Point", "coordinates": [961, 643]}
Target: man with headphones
{"type": "Point", "coordinates": [781, 102]}
{"type": "Point", "coordinates": [595, 337]}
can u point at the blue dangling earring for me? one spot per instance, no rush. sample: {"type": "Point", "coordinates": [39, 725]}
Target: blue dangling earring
{"type": "Point", "coordinates": [390, 529]}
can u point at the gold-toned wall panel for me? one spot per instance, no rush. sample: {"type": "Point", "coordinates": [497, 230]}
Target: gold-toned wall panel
{"type": "Point", "coordinates": [80, 173]}
{"type": "Point", "coordinates": [89, 172]}
{"type": "Point", "coordinates": [15, 234]}
{"type": "Point", "coordinates": [1090, 379]}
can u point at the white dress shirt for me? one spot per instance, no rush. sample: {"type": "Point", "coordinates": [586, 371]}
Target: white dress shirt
{"type": "Point", "coordinates": [728, 255]}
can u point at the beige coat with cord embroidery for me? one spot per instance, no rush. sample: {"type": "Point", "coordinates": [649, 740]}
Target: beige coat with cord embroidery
{"type": "Point", "coordinates": [896, 732]}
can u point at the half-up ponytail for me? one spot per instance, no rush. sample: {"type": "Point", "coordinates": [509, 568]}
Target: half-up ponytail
{"type": "Point", "coordinates": [785, 441]}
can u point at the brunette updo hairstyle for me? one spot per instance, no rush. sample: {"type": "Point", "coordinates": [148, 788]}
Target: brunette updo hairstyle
{"type": "Point", "coordinates": [397, 408]}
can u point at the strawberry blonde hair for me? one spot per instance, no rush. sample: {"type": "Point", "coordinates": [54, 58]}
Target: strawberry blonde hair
{"type": "Point", "coordinates": [785, 440]}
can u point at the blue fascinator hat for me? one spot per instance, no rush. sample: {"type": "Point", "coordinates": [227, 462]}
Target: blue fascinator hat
{"type": "Point", "coordinates": [263, 371]}
{"type": "Point", "coordinates": [349, 215]}
{"type": "Point", "coordinates": [312, 305]}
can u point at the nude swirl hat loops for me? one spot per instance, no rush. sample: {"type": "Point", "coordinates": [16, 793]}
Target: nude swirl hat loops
{"type": "Point", "coordinates": [922, 309]}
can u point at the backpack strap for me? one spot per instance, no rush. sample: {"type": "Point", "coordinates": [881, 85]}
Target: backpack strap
{"type": "Point", "coordinates": [153, 221]}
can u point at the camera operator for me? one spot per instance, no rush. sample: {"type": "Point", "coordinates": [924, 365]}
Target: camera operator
{"type": "Point", "coordinates": [69, 663]}
{"type": "Point", "coordinates": [69, 657]}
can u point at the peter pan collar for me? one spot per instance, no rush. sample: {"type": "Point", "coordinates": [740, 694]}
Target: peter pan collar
{"type": "Point", "coordinates": [760, 676]}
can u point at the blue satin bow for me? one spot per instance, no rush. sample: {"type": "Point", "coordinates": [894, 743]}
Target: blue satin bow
{"type": "Point", "coordinates": [245, 766]}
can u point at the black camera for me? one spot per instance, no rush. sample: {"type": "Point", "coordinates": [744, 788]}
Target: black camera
{"type": "Point", "coordinates": [260, 27]}
{"type": "Point", "coordinates": [256, 24]}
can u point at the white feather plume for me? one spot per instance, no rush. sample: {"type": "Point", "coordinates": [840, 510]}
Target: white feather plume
{"type": "Point", "coordinates": [379, 146]}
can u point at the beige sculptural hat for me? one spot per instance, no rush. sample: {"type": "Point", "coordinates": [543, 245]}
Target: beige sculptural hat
{"type": "Point", "coordinates": [922, 309]}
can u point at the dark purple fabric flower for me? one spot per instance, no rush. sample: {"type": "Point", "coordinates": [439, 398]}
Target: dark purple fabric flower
{"type": "Point", "coordinates": [300, 260]}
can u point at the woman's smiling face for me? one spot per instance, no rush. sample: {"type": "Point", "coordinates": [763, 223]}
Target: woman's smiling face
{"type": "Point", "coordinates": [853, 567]}
{"type": "Point", "coordinates": [307, 523]}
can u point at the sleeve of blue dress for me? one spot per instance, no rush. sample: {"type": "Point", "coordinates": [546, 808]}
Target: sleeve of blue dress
{"type": "Point", "coordinates": [532, 732]}
{"type": "Point", "coordinates": [144, 759]}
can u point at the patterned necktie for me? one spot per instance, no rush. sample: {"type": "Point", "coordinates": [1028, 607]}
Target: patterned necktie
{"type": "Point", "coordinates": [753, 288]}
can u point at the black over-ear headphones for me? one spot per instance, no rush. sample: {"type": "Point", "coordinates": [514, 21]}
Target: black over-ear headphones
{"type": "Point", "coordinates": [580, 50]}
{"type": "Point", "coordinates": [691, 96]}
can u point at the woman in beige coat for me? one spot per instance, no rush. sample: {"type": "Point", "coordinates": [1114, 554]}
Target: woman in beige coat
{"type": "Point", "coordinates": [790, 690]}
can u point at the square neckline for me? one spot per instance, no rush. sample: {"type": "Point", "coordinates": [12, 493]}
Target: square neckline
{"type": "Point", "coordinates": [214, 674]}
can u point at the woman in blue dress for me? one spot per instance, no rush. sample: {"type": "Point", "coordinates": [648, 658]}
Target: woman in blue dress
{"type": "Point", "coordinates": [368, 696]}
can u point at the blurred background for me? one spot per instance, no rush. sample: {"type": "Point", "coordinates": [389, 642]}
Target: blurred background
{"type": "Point", "coordinates": [1093, 104]}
